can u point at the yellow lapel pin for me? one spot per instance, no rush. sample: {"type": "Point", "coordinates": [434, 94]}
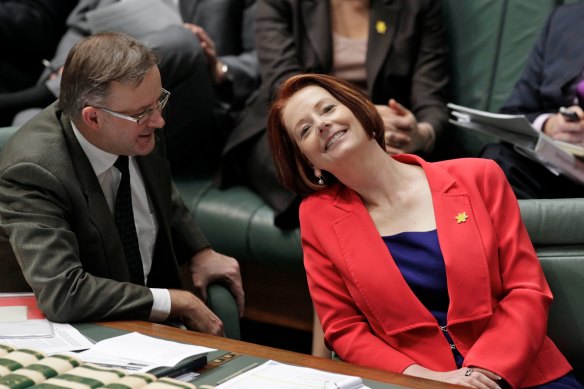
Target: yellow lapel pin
{"type": "Point", "coordinates": [380, 27]}
{"type": "Point", "coordinates": [461, 217]}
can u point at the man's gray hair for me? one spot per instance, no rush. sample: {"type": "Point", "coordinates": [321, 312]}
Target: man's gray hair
{"type": "Point", "coordinates": [95, 62]}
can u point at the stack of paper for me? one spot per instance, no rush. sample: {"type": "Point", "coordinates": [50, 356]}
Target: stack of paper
{"type": "Point", "coordinates": [137, 352]}
{"type": "Point", "coordinates": [20, 317]}
{"type": "Point", "coordinates": [275, 375]}
{"type": "Point", "coordinates": [23, 325]}
{"type": "Point", "coordinates": [558, 157]}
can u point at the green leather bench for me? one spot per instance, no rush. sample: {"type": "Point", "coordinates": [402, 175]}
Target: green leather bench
{"type": "Point", "coordinates": [556, 228]}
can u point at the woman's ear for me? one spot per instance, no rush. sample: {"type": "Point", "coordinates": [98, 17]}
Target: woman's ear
{"type": "Point", "coordinates": [317, 172]}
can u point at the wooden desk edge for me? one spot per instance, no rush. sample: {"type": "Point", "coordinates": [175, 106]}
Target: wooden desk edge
{"type": "Point", "coordinates": [285, 356]}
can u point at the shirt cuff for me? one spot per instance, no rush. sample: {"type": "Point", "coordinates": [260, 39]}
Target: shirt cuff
{"type": "Point", "coordinates": [540, 121]}
{"type": "Point", "coordinates": [161, 305]}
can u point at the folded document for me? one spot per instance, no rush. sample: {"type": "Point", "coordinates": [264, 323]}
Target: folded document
{"type": "Point", "coordinates": [558, 157]}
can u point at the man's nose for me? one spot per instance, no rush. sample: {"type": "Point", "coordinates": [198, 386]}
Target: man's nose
{"type": "Point", "coordinates": [156, 120]}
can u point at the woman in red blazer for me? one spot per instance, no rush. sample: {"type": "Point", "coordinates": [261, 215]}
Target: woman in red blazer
{"type": "Point", "coordinates": [414, 267]}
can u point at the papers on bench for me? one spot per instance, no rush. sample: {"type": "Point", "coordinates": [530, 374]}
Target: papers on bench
{"type": "Point", "coordinates": [65, 338]}
{"type": "Point", "coordinates": [20, 317]}
{"type": "Point", "coordinates": [558, 157]}
{"type": "Point", "coordinates": [140, 353]}
{"type": "Point", "coordinates": [275, 375]}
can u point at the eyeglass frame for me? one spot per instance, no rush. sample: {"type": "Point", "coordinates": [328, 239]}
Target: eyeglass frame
{"type": "Point", "coordinates": [161, 103]}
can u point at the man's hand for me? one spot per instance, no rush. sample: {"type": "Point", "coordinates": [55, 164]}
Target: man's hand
{"type": "Point", "coordinates": [194, 314]}
{"type": "Point", "coordinates": [208, 266]}
{"type": "Point", "coordinates": [215, 64]}
{"type": "Point", "coordinates": [559, 128]}
{"type": "Point", "coordinates": [403, 133]}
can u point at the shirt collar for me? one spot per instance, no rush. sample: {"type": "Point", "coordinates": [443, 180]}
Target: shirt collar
{"type": "Point", "coordinates": [100, 160]}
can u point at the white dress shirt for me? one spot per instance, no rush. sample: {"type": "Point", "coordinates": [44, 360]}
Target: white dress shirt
{"type": "Point", "coordinates": [109, 179]}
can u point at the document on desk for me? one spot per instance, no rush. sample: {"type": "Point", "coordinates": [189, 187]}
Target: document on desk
{"type": "Point", "coordinates": [20, 317]}
{"type": "Point", "coordinates": [141, 350]}
{"type": "Point", "coordinates": [65, 338]}
{"type": "Point", "coordinates": [276, 375]}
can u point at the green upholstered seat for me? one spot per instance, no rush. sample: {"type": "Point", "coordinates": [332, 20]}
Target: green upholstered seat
{"type": "Point", "coordinates": [556, 228]}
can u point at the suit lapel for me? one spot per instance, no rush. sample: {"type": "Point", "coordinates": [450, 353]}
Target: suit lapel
{"type": "Point", "coordinates": [318, 26]}
{"type": "Point", "coordinates": [462, 248]}
{"type": "Point", "coordinates": [98, 209]}
{"type": "Point", "coordinates": [373, 271]}
{"type": "Point", "coordinates": [382, 29]}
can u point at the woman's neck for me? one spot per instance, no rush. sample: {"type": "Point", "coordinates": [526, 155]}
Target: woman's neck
{"type": "Point", "coordinates": [377, 178]}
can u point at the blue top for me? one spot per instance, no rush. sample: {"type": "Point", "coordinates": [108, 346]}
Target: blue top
{"type": "Point", "coordinates": [419, 259]}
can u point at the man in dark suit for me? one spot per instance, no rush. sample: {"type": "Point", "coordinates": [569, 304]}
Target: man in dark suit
{"type": "Point", "coordinates": [553, 77]}
{"type": "Point", "coordinates": [60, 185]}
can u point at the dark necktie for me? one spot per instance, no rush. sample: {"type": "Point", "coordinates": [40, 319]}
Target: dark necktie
{"type": "Point", "coordinates": [124, 217]}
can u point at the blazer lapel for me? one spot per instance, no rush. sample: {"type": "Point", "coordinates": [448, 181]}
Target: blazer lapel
{"type": "Point", "coordinates": [98, 209]}
{"type": "Point", "coordinates": [373, 271]}
{"type": "Point", "coordinates": [462, 248]}
{"type": "Point", "coordinates": [382, 29]}
{"type": "Point", "coordinates": [317, 19]}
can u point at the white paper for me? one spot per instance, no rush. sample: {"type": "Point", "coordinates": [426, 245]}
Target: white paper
{"type": "Point", "coordinates": [275, 375]}
{"type": "Point", "coordinates": [26, 329]}
{"type": "Point", "coordinates": [14, 313]}
{"type": "Point", "coordinates": [65, 338]}
{"type": "Point", "coordinates": [144, 349]}
{"type": "Point", "coordinates": [111, 361]}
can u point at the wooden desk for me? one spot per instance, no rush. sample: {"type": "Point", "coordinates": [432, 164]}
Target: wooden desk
{"type": "Point", "coordinates": [264, 352]}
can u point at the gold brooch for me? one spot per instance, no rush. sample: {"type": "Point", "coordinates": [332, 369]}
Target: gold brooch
{"type": "Point", "coordinates": [381, 27]}
{"type": "Point", "coordinates": [461, 217]}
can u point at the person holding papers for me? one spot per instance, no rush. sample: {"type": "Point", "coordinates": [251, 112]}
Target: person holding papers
{"type": "Point", "coordinates": [419, 268]}
{"type": "Point", "coordinates": [550, 93]}
{"type": "Point", "coordinates": [88, 205]}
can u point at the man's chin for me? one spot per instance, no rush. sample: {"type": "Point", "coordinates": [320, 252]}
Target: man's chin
{"type": "Point", "coordinates": [145, 144]}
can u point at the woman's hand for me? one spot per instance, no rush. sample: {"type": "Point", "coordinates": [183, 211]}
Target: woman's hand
{"type": "Point", "coordinates": [472, 377]}
{"type": "Point", "coordinates": [403, 133]}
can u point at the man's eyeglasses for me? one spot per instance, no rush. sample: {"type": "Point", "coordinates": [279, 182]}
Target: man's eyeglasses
{"type": "Point", "coordinates": [143, 117]}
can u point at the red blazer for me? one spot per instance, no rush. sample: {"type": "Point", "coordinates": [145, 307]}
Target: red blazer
{"type": "Point", "coordinates": [499, 297]}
